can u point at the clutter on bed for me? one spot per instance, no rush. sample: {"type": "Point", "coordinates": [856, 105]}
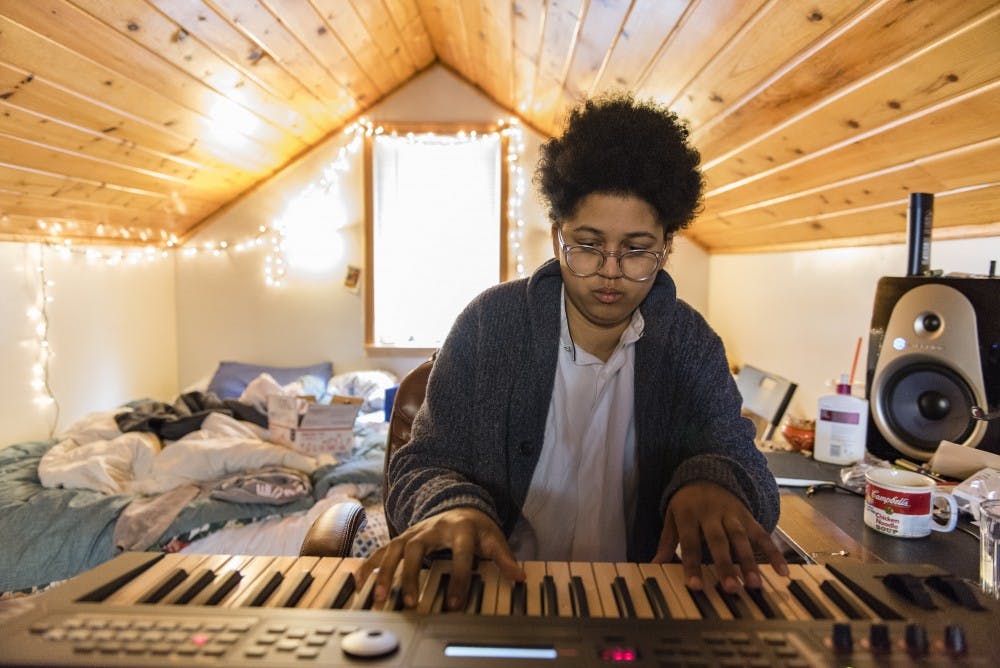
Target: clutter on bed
{"type": "Point", "coordinates": [232, 378]}
{"type": "Point", "coordinates": [199, 474]}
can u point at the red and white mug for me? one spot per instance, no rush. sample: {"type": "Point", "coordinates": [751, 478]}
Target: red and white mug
{"type": "Point", "coordinates": [901, 504]}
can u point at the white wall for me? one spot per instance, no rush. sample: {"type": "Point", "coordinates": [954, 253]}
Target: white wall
{"type": "Point", "coordinates": [226, 312]}
{"type": "Point", "coordinates": [800, 314]}
{"type": "Point", "coordinates": [112, 331]}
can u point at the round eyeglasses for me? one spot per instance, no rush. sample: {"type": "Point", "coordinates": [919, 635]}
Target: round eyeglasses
{"type": "Point", "coordinates": [635, 265]}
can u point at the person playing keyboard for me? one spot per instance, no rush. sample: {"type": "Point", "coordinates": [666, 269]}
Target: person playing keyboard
{"type": "Point", "coordinates": [586, 413]}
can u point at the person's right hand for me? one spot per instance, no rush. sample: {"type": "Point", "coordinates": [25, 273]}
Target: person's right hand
{"type": "Point", "coordinates": [467, 532]}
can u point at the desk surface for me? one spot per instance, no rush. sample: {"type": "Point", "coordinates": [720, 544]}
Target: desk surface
{"type": "Point", "coordinates": [956, 552]}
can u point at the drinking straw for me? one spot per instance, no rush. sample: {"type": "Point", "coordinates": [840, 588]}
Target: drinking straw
{"type": "Point", "coordinates": [854, 365]}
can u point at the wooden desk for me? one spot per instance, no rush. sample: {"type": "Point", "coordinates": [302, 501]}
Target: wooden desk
{"type": "Point", "coordinates": [822, 525]}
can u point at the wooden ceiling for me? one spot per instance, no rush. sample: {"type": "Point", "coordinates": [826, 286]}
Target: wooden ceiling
{"type": "Point", "coordinates": [132, 121]}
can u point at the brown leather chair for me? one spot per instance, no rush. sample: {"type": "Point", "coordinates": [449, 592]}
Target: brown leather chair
{"type": "Point", "coordinates": [409, 399]}
{"type": "Point", "coordinates": [333, 532]}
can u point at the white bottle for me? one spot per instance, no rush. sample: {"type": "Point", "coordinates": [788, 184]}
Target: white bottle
{"type": "Point", "coordinates": [841, 426]}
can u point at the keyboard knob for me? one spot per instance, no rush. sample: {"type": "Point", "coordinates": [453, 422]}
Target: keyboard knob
{"type": "Point", "coordinates": [878, 638]}
{"type": "Point", "coordinates": [843, 643]}
{"type": "Point", "coordinates": [954, 640]}
{"type": "Point", "coordinates": [916, 639]}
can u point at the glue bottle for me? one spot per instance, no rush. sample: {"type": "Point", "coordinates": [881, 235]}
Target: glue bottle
{"type": "Point", "coordinates": [841, 426]}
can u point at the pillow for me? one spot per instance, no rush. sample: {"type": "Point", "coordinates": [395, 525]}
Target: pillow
{"type": "Point", "coordinates": [369, 385]}
{"type": "Point", "coordinates": [231, 378]}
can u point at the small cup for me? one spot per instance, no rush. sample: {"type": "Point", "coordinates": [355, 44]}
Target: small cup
{"type": "Point", "coordinates": [901, 504]}
{"type": "Point", "coordinates": [989, 547]}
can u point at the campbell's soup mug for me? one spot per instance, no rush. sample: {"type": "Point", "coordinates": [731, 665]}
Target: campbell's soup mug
{"type": "Point", "coordinates": [901, 504]}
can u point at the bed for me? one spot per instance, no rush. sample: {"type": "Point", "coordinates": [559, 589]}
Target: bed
{"type": "Point", "coordinates": [138, 477]}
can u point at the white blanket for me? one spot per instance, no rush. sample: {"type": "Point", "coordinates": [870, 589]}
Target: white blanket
{"type": "Point", "coordinates": [134, 462]}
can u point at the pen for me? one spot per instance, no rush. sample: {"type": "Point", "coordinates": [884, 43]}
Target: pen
{"type": "Point", "coordinates": [917, 468]}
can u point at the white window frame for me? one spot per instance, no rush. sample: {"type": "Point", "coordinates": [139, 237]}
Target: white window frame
{"type": "Point", "coordinates": [371, 344]}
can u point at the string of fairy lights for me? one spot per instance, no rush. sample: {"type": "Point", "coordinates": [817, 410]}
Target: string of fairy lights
{"type": "Point", "coordinates": [272, 237]}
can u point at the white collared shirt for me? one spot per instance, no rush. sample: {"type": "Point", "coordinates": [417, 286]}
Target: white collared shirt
{"type": "Point", "coordinates": [583, 489]}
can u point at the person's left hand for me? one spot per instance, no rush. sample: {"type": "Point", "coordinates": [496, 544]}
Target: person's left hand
{"type": "Point", "coordinates": [704, 509]}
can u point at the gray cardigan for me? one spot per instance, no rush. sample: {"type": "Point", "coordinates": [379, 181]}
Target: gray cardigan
{"type": "Point", "coordinates": [477, 438]}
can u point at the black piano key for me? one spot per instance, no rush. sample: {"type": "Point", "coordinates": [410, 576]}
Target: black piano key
{"type": "Point", "coordinates": [756, 594]}
{"type": "Point", "coordinates": [518, 600]}
{"type": "Point", "coordinates": [955, 589]}
{"type": "Point", "coordinates": [199, 584]}
{"type": "Point", "coordinates": [578, 597]}
{"type": "Point", "coordinates": [830, 588]}
{"type": "Point", "coordinates": [733, 602]}
{"type": "Point", "coordinates": [396, 598]}
{"type": "Point", "coordinates": [816, 609]}
{"type": "Point", "coordinates": [656, 599]}
{"type": "Point", "coordinates": [265, 589]}
{"type": "Point", "coordinates": [224, 587]}
{"type": "Point", "coordinates": [878, 607]}
{"type": "Point", "coordinates": [701, 602]}
{"type": "Point", "coordinates": [441, 594]}
{"type": "Point", "coordinates": [346, 592]}
{"type": "Point", "coordinates": [550, 598]}
{"type": "Point", "coordinates": [911, 588]}
{"type": "Point", "coordinates": [305, 581]}
{"type": "Point", "coordinates": [164, 587]}
{"type": "Point", "coordinates": [474, 603]}
{"type": "Point", "coordinates": [626, 609]}
{"type": "Point", "coordinates": [113, 585]}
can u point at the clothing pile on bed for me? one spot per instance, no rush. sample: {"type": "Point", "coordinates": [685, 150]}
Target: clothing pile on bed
{"type": "Point", "coordinates": [193, 475]}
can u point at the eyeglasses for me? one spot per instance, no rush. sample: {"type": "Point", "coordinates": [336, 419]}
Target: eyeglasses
{"type": "Point", "coordinates": [635, 265]}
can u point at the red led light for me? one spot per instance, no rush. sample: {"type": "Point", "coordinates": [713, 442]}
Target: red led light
{"type": "Point", "coordinates": [619, 654]}
{"type": "Point", "coordinates": [199, 639]}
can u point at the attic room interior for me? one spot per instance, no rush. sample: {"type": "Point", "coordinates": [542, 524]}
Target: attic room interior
{"type": "Point", "coordinates": [185, 183]}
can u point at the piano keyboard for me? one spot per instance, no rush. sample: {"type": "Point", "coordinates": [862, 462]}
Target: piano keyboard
{"type": "Point", "coordinates": [575, 589]}
{"type": "Point", "coordinates": [148, 609]}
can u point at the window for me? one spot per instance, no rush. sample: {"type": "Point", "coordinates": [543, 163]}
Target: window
{"type": "Point", "coordinates": [435, 228]}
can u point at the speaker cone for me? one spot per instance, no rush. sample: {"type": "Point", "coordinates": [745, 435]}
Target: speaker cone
{"type": "Point", "coordinates": [926, 403]}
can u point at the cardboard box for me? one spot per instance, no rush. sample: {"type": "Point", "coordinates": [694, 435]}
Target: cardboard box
{"type": "Point", "coordinates": [323, 428]}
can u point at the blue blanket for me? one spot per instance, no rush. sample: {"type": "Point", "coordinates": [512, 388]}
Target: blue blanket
{"type": "Point", "coordinates": [53, 534]}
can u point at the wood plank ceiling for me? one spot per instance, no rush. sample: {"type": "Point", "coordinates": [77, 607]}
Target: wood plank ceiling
{"type": "Point", "coordinates": [132, 121]}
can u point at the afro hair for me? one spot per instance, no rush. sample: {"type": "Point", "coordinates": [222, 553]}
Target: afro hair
{"type": "Point", "coordinates": [615, 144]}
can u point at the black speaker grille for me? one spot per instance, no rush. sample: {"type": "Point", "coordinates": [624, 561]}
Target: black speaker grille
{"type": "Point", "coordinates": [925, 403]}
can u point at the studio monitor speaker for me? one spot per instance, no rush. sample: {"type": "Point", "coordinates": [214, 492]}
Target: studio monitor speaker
{"type": "Point", "coordinates": [933, 355]}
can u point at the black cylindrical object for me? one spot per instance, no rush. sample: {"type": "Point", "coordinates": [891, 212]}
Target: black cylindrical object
{"type": "Point", "coordinates": [920, 220]}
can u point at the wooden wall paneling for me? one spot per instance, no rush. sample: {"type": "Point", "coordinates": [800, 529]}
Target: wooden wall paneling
{"type": "Point", "coordinates": [210, 28]}
{"type": "Point", "coordinates": [83, 35]}
{"type": "Point", "coordinates": [164, 38]}
{"type": "Point", "coordinates": [379, 25]}
{"type": "Point", "coordinates": [39, 183]}
{"type": "Point", "coordinates": [44, 131]}
{"type": "Point", "coordinates": [335, 25]}
{"type": "Point", "coordinates": [563, 22]}
{"type": "Point", "coordinates": [956, 64]}
{"type": "Point", "coordinates": [496, 23]}
{"type": "Point", "coordinates": [406, 17]}
{"type": "Point", "coordinates": [258, 23]}
{"type": "Point", "coordinates": [97, 83]}
{"type": "Point", "coordinates": [921, 134]}
{"type": "Point", "coordinates": [326, 46]}
{"type": "Point", "coordinates": [960, 208]}
{"type": "Point", "coordinates": [964, 167]}
{"type": "Point", "coordinates": [877, 39]}
{"type": "Point", "coordinates": [450, 15]}
{"type": "Point", "coordinates": [49, 209]}
{"type": "Point", "coordinates": [467, 19]}
{"type": "Point", "coordinates": [649, 27]}
{"type": "Point", "coordinates": [442, 40]}
{"type": "Point", "coordinates": [21, 90]}
{"type": "Point", "coordinates": [778, 33]}
{"type": "Point", "coordinates": [601, 26]}
{"type": "Point", "coordinates": [703, 30]}
{"type": "Point", "coordinates": [46, 158]}
{"type": "Point", "coordinates": [529, 27]}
